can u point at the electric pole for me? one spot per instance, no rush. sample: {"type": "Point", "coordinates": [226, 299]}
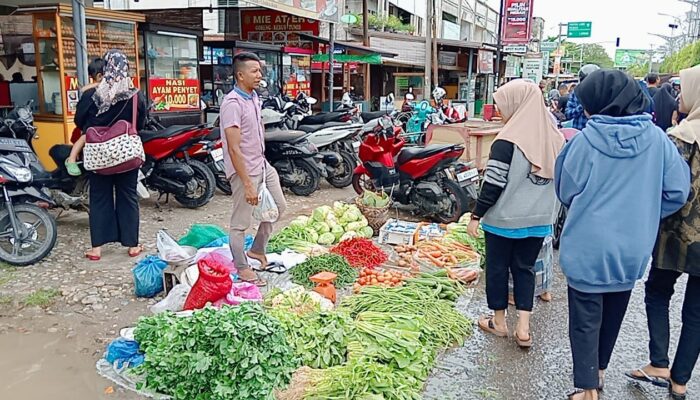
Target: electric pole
{"type": "Point", "coordinates": [428, 49]}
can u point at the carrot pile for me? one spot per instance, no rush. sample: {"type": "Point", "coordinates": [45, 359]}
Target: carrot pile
{"type": "Point", "coordinates": [444, 254]}
{"type": "Point", "coordinates": [360, 253]}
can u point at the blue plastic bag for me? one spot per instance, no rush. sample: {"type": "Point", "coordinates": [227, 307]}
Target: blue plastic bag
{"type": "Point", "coordinates": [148, 276]}
{"type": "Point", "coordinates": [225, 240]}
{"type": "Point", "coordinates": [124, 353]}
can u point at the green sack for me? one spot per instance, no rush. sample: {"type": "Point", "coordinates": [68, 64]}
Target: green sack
{"type": "Point", "coordinates": [201, 235]}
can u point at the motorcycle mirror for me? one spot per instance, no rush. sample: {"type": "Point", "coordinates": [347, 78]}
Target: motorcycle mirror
{"type": "Point", "coordinates": [410, 96]}
{"type": "Point", "coordinates": [287, 106]}
{"type": "Point", "coordinates": [263, 84]}
{"type": "Point", "coordinates": [311, 100]}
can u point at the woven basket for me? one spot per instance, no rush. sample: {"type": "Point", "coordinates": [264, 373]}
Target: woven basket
{"type": "Point", "coordinates": [376, 217]}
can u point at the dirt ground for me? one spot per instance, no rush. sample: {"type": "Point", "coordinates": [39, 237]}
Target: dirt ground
{"type": "Point", "coordinates": [57, 317]}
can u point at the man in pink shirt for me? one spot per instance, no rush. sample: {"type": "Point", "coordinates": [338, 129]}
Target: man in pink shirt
{"type": "Point", "coordinates": [246, 167]}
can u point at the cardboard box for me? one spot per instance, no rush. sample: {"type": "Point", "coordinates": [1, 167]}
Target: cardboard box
{"type": "Point", "coordinates": [477, 137]}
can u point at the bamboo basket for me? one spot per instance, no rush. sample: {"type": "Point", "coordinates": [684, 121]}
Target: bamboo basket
{"type": "Point", "coordinates": [376, 217]}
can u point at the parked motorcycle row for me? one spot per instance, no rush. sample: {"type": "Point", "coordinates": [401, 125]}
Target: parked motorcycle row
{"type": "Point", "coordinates": [345, 147]}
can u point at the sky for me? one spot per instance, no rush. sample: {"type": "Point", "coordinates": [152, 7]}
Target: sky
{"type": "Point", "coordinates": [630, 20]}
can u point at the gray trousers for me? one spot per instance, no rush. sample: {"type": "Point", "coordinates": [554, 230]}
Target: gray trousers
{"type": "Point", "coordinates": [242, 216]}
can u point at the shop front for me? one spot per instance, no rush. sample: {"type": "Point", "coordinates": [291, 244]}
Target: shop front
{"type": "Point", "coordinates": [484, 81]}
{"type": "Point", "coordinates": [55, 58]}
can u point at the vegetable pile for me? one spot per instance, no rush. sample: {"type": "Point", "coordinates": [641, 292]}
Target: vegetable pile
{"type": "Point", "coordinates": [333, 225]}
{"type": "Point", "coordinates": [445, 254]}
{"type": "Point", "coordinates": [375, 200]}
{"type": "Point", "coordinates": [458, 232]}
{"type": "Point", "coordinates": [293, 237]}
{"type": "Point", "coordinates": [232, 353]}
{"type": "Point", "coordinates": [296, 301]}
{"type": "Point", "coordinates": [327, 262]}
{"type": "Point", "coordinates": [376, 277]}
{"type": "Point", "coordinates": [360, 252]}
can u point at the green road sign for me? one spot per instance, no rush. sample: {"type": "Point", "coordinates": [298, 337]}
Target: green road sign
{"type": "Point", "coordinates": [625, 58]}
{"type": "Point", "coordinates": [579, 29]}
{"type": "Point", "coordinates": [548, 46]}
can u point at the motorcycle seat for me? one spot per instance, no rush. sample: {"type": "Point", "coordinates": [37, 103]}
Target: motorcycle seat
{"type": "Point", "coordinates": [281, 135]}
{"type": "Point", "coordinates": [322, 118]}
{"type": "Point", "coordinates": [215, 134]}
{"type": "Point", "coordinates": [412, 153]}
{"type": "Point", "coordinates": [368, 116]}
{"type": "Point", "coordinates": [314, 128]}
{"type": "Point", "coordinates": [148, 135]}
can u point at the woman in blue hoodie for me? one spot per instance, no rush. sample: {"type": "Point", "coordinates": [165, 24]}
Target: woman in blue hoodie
{"type": "Point", "coordinates": [619, 177]}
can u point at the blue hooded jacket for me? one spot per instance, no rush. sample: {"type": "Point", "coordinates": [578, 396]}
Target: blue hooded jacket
{"type": "Point", "coordinates": [619, 177]}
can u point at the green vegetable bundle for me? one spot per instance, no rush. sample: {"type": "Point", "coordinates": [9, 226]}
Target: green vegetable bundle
{"type": "Point", "coordinates": [319, 339]}
{"type": "Point", "coordinates": [438, 284]}
{"type": "Point", "coordinates": [293, 237]}
{"type": "Point", "coordinates": [298, 302]}
{"type": "Point", "coordinates": [327, 262]}
{"type": "Point", "coordinates": [363, 379]}
{"type": "Point", "coordinates": [375, 200]}
{"type": "Point", "coordinates": [227, 354]}
{"type": "Point", "coordinates": [458, 233]}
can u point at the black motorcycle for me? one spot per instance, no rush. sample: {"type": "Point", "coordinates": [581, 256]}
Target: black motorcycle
{"type": "Point", "coordinates": [295, 160]}
{"type": "Point", "coordinates": [27, 231]}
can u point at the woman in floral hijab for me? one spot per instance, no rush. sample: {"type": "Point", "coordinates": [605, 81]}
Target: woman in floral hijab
{"type": "Point", "coordinates": [114, 207]}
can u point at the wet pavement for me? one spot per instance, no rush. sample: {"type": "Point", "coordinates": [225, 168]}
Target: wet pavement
{"type": "Point", "coordinates": [491, 368]}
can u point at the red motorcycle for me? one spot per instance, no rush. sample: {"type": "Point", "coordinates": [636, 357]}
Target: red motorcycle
{"type": "Point", "coordinates": [170, 169]}
{"type": "Point", "coordinates": [428, 179]}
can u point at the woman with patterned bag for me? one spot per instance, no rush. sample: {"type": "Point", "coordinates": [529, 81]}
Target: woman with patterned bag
{"type": "Point", "coordinates": [115, 105]}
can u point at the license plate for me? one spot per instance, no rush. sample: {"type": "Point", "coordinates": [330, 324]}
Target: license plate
{"type": "Point", "coordinates": [355, 145]}
{"type": "Point", "coordinates": [217, 154]}
{"type": "Point", "coordinates": [467, 175]}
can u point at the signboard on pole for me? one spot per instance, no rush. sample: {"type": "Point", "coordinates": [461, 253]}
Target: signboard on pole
{"type": "Point", "coordinates": [513, 67]}
{"type": "Point", "coordinates": [485, 62]}
{"type": "Point", "coordinates": [276, 27]}
{"type": "Point", "coordinates": [533, 67]}
{"type": "Point", "coordinates": [549, 46]}
{"type": "Point", "coordinates": [579, 29]}
{"type": "Point", "coordinates": [322, 10]}
{"type": "Point", "coordinates": [625, 58]}
{"type": "Point", "coordinates": [515, 48]}
{"type": "Point", "coordinates": [517, 17]}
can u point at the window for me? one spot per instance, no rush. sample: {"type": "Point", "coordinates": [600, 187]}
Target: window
{"type": "Point", "coordinates": [449, 18]}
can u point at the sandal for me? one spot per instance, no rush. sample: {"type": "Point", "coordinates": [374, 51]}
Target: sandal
{"type": "Point", "coordinates": [261, 258]}
{"type": "Point", "coordinates": [674, 395]}
{"type": "Point", "coordinates": [136, 251]}
{"type": "Point", "coordinates": [275, 268]}
{"type": "Point", "coordinates": [92, 257]}
{"type": "Point", "coordinates": [654, 380]}
{"type": "Point", "coordinates": [256, 280]}
{"type": "Point", "coordinates": [523, 344]}
{"type": "Point", "coordinates": [487, 325]}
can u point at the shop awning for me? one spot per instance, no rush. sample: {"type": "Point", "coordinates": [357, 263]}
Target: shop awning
{"type": "Point", "coordinates": [348, 45]}
{"type": "Point", "coordinates": [460, 43]}
{"type": "Point", "coordinates": [348, 58]}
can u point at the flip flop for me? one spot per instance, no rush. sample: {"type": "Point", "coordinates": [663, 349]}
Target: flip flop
{"type": "Point", "coordinates": [92, 257]}
{"type": "Point", "coordinates": [486, 324]}
{"type": "Point", "coordinates": [275, 268]}
{"type": "Point", "coordinates": [259, 282]}
{"type": "Point", "coordinates": [654, 380]}
{"type": "Point", "coordinates": [523, 344]}
{"type": "Point", "coordinates": [262, 259]}
{"type": "Point", "coordinates": [137, 252]}
{"type": "Point", "coordinates": [674, 395]}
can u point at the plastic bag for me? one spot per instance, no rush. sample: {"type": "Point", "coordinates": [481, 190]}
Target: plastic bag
{"type": "Point", "coordinates": [168, 249]}
{"type": "Point", "coordinates": [213, 283]}
{"type": "Point", "coordinates": [242, 292]}
{"type": "Point", "coordinates": [148, 276]}
{"type": "Point", "coordinates": [266, 210]}
{"type": "Point", "coordinates": [123, 353]}
{"type": "Point", "coordinates": [201, 235]}
{"type": "Point", "coordinates": [174, 301]}
{"type": "Point", "coordinates": [224, 241]}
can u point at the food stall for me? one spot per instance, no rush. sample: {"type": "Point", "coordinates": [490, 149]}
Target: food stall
{"type": "Point", "coordinates": [56, 63]}
{"type": "Point", "coordinates": [296, 67]}
{"type": "Point", "coordinates": [169, 59]}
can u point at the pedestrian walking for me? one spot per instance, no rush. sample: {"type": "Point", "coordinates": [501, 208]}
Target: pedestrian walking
{"type": "Point", "coordinates": [665, 107]}
{"type": "Point", "coordinates": [652, 81]}
{"type": "Point", "coordinates": [517, 205]}
{"type": "Point", "coordinates": [607, 240]}
{"type": "Point", "coordinates": [677, 252]}
{"type": "Point", "coordinates": [574, 109]}
{"type": "Point", "coordinates": [114, 203]}
{"type": "Point", "coordinates": [245, 164]}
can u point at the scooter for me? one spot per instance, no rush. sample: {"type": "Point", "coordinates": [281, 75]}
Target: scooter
{"type": "Point", "coordinates": [430, 180]}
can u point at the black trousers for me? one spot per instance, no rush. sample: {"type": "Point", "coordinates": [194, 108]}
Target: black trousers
{"type": "Point", "coordinates": [594, 323]}
{"type": "Point", "coordinates": [659, 290]}
{"type": "Point", "coordinates": [114, 209]}
{"type": "Point", "coordinates": [514, 256]}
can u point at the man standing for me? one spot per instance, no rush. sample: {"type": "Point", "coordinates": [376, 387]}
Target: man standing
{"type": "Point", "coordinates": [563, 97]}
{"type": "Point", "coordinates": [245, 164]}
{"type": "Point", "coordinates": [574, 109]}
{"type": "Point", "coordinates": [652, 80]}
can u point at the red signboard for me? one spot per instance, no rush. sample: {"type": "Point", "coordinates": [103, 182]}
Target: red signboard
{"type": "Point", "coordinates": [277, 27]}
{"type": "Point", "coordinates": [174, 94]}
{"type": "Point", "coordinates": [516, 19]}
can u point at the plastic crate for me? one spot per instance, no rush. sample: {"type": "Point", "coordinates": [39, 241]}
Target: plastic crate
{"type": "Point", "coordinates": [390, 236]}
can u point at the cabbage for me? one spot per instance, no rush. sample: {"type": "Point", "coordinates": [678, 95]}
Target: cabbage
{"type": "Point", "coordinates": [364, 221]}
{"type": "Point", "coordinates": [337, 231]}
{"type": "Point", "coordinates": [348, 235]}
{"type": "Point", "coordinates": [326, 239]}
{"type": "Point", "coordinates": [301, 221]}
{"type": "Point", "coordinates": [320, 214]}
{"type": "Point", "coordinates": [321, 227]}
{"type": "Point", "coordinates": [366, 232]}
{"type": "Point", "coordinates": [331, 219]}
{"type": "Point", "coordinates": [354, 209]}
{"type": "Point", "coordinates": [352, 215]}
{"type": "Point", "coordinates": [339, 208]}
{"type": "Point", "coordinates": [354, 226]}
{"type": "Point", "coordinates": [313, 236]}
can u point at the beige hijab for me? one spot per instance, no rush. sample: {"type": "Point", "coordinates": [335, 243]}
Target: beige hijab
{"type": "Point", "coordinates": [689, 129]}
{"type": "Point", "coordinates": [529, 125]}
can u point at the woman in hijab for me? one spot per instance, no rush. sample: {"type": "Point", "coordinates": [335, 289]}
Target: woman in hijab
{"type": "Point", "coordinates": [665, 107]}
{"type": "Point", "coordinates": [517, 205]}
{"type": "Point", "coordinates": [677, 252]}
{"type": "Point", "coordinates": [607, 240]}
{"type": "Point", "coordinates": [114, 207]}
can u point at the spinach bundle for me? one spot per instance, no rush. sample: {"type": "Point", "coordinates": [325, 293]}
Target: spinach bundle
{"type": "Point", "coordinates": [227, 354]}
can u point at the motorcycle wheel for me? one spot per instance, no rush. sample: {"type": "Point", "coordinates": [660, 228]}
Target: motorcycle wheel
{"type": "Point", "coordinates": [221, 182]}
{"type": "Point", "coordinates": [41, 239]}
{"type": "Point", "coordinates": [459, 203]}
{"type": "Point", "coordinates": [343, 179]}
{"type": "Point", "coordinates": [362, 182]}
{"type": "Point", "coordinates": [312, 178]}
{"type": "Point", "coordinates": [204, 190]}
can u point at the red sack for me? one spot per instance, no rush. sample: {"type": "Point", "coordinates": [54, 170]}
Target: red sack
{"type": "Point", "coordinates": [214, 281]}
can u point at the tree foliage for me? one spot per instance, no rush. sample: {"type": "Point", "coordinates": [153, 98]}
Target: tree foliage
{"type": "Point", "coordinates": [687, 57]}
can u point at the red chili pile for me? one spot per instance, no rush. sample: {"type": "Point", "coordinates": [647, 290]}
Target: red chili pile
{"type": "Point", "coordinates": [360, 253]}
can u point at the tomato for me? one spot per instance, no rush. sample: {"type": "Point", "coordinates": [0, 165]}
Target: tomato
{"type": "Point", "coordinates": [381, 279]}
{"type": "Point", "coordinates": [374, 281]}
{"type": "Point", "coordinates": [394, 280]}
{"type": "Point", "coordinates": [362, 281]}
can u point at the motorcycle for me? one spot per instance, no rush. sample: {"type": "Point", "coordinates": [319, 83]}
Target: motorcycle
{"type": "Point", "coordinates": [428, 179]}
{"type": "Point", "coordinates": [448, 112]}
{"type": "Point", "coordinates": [27, 231]}
{"type": "Point", "coordinates": [189, 180]}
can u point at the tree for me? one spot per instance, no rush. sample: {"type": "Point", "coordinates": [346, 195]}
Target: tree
{"type": "Point", "coordinates": [687, 57]}
{"type": "Point", "coordinates": [638, 70]}
{"type": "Point", "coordinates": [593, 53]}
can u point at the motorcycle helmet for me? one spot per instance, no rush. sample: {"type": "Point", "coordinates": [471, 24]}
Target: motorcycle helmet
{"type": "Point", "coordinates": [439, 94]}
{"type": "Point", "coordinates": [587, 70]}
